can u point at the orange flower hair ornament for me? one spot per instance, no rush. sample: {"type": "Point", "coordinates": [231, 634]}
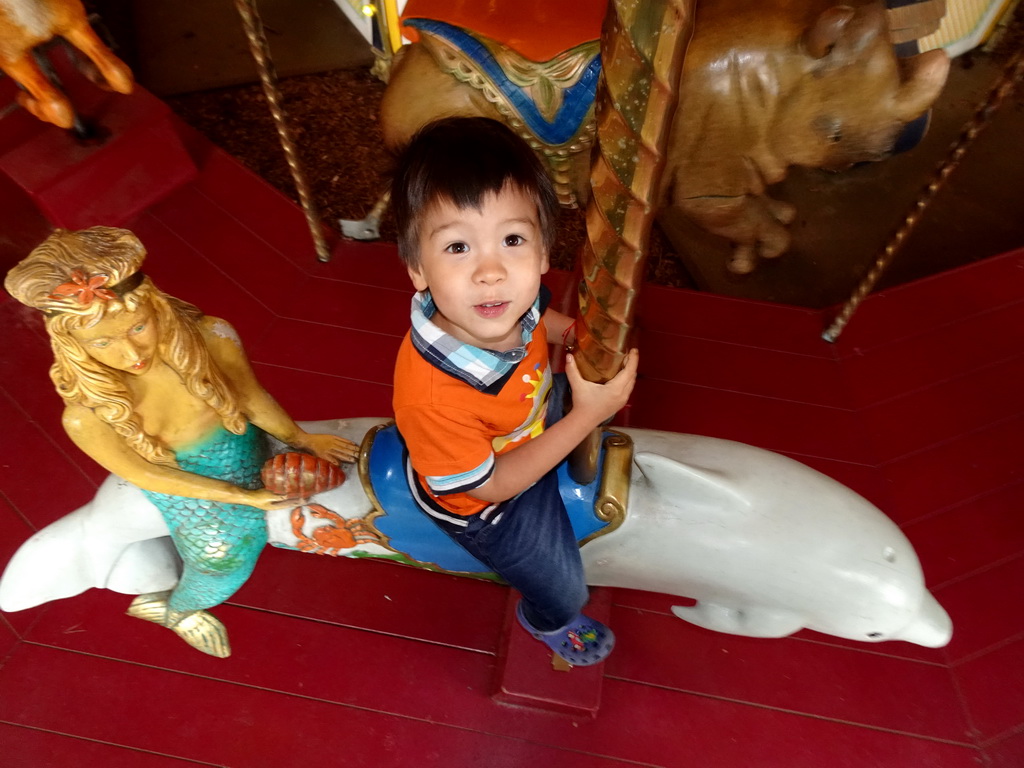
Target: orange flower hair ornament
{"type": "Point", "coordinates": [84, 289]}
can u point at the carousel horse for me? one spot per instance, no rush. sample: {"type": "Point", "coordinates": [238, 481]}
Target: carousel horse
{"type": "Point", "coordinates": [27, 24]}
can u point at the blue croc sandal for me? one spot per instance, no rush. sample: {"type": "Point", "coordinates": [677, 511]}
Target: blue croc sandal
{"type": "Point", "coordinates": [582, 642]}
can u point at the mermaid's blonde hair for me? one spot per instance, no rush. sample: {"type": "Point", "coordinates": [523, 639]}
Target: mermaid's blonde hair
{"type": "Point", "coordinates": [77, 279]}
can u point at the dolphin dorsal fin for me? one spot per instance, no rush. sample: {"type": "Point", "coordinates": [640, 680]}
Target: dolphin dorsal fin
{"type": "Point", "coordinates": [686, 484]}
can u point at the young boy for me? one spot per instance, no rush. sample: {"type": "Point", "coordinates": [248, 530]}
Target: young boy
{"type": "Point", "coordinates": [476, 214]}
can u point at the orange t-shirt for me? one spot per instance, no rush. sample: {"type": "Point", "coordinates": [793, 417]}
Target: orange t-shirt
{"type": "Point", "coordinates": [453, 431]}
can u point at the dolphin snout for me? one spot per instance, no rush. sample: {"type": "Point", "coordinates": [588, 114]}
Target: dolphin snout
{"type": "Point", "coordinates": [932, 627]}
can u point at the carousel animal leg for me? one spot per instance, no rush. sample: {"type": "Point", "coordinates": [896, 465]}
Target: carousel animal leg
{"type": "Point", "coordinates": [40, 97]}
{"type": "Point", "coordinates": [116, 73]}
{"type": "Point", "coordinates": [81, 127]}
{"type": "Point", "coordinates": [755, 224]}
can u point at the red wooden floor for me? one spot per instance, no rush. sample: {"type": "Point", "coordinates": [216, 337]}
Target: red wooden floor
{"type": "Point", "coordinates": [362, 663]}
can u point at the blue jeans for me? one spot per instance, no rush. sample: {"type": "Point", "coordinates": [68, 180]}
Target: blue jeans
{"type": "Point", "coordinates": [529, 542]}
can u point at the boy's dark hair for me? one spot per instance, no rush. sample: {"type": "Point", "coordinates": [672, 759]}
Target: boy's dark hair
{"type": "Point", "coordinates": [461, 160]}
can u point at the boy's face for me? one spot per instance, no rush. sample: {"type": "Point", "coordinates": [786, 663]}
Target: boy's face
{"type": "Point", "coordinates": [482, 267]}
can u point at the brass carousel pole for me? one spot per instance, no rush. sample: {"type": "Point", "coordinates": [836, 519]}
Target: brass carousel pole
{"type": "Point", "coordinates": [1008, 80]}
{"type": "Point", "coordinates": [268, 77]}
{"type": "Point", "coordinates": [642, 49]}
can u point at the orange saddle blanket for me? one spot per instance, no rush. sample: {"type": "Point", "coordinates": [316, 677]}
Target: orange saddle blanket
{"type": "Point", "coordinates": [536, 29]}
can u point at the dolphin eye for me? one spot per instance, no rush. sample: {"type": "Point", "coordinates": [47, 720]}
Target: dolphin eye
{"type": "Point", "coordinates": [874, 634]}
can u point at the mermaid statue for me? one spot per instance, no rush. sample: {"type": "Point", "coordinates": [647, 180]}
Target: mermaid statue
{"type": "Point", "coordinates": [164, 396]}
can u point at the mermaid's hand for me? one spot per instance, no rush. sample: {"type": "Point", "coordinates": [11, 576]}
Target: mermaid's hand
{"type": "Point", "coordinates": [329, 447]}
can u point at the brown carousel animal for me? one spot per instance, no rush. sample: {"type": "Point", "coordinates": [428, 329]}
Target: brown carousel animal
{"type": "Point", "coordinates": [762, 86]}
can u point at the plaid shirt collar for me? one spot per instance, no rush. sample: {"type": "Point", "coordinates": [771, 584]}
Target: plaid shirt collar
{"type": "Point", "coordinates": [480, 368]}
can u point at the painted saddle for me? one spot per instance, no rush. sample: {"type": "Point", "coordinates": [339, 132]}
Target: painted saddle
{"type": "Point", "coordinates": [537, 63]}
{"type": "Point", "coordinates": [396, 529]}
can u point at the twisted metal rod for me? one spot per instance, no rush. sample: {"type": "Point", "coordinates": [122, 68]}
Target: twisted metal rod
{"type": "Point", "coordinates": [642, 49]}
{"type": "Point", "coordinates": [1007, 81]}
{"type": "Point", "coordinates": [260, 50]}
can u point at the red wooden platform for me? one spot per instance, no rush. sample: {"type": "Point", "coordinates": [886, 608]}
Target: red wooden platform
{"type": "Point", "coordinates": [340, 662]}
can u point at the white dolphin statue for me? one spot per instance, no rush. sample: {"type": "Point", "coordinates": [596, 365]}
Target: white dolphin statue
{"type": "Point", "coordinates": [765, 545]}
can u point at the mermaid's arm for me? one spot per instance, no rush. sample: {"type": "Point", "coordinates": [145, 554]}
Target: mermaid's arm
{"type": "Point", "coordinates": [102, 444]}
{"type": "Point", "coordinates": [258, 405]}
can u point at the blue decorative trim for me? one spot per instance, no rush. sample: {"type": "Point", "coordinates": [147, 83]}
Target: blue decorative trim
{"type": "Point", "coordinates": [912, 133]}
{"type": "Point", "coordinates": [902, 3]}
{"type": "Point", "coordinates": [576, 103]}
